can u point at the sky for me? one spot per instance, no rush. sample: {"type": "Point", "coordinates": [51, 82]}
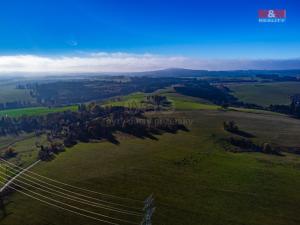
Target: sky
{"type": "Point", "coordinates": [138, 35]}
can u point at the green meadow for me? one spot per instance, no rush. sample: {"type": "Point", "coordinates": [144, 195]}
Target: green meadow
{"type": "Point", "coordinates": [178, 101]}
{"type": "Point", "coordinates": [9, 93]}
{"type": "Point", "coordinates": [266, 94]}
{"type": "Point", "coordinates": [35, 111]}
{"type": "Point", "coordinates": [194, 180]}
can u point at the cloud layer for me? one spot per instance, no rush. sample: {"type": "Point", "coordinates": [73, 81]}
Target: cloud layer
{"type": "Point", "coordinates": [125, 62]}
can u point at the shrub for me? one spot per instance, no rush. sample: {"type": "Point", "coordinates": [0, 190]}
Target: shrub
{"type": "Point", "coordinates": [231, 126]}
{"type": "Point", "coordinates": [9, 153]}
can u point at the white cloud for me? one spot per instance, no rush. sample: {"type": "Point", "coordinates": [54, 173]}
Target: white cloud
{"type": "Point", "coordinates": [126, 62]}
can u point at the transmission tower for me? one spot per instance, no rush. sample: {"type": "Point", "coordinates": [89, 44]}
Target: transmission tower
{"type": "Point", "coordinates": [149, 210]}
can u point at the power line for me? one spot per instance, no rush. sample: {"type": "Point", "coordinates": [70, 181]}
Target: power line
{"type": "Point", "coordinates": [72, 192]}
{"type": "Point", "coordinates": [60, 207]}
{"type": "Point", "coordinates": [74, 207]}
{"type": "Point", "coordinates": [78, 188]}
{"type": "Point", "coordinates": [74, 198]}
{"type": "Point", "coordinates": [149, 210]}
{"type": "Point", "coordinates": [17, 175]}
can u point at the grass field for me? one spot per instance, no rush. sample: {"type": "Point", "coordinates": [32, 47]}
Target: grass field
{"type": "Point", "coordinates": [127, 101]}
{"type": "Point", "coordinates": [9, 93]}
{"type": "Point", "coordinates": [35, 111]}
{"type": "Point", "coordinates": [179, 102]}
{"type": "Point", "coordinates": [193, 179]}
{"type": "Point", "coordinates": [25, 148]}
{"type": "Point", "coordinates": [267, 93]}
{"type": "Point", "coordinates": [256, 111]}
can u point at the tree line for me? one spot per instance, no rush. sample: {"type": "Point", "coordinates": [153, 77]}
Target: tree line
{"type": "Point", "coordinates": [90, 122]}
{"type": "Point", "coordinates": [293, 109]}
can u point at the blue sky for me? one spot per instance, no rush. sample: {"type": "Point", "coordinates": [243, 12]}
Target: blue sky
{"type": "Point", "coordinates": [208, 29]}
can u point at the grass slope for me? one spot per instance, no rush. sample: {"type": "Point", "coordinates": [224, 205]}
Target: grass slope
{"type": "Point", "coordinates": [179, 102]}
{"type": "Point", "coordinates": [25, 148]}
{"type": "Point", "coordinates": [9, 93]}
{"type": "Point", "coordinates": [267, 93]}
{"type": "Point", "coordinates": [35, 111]}
{"type": "Point", "coordinates": [193, 179]}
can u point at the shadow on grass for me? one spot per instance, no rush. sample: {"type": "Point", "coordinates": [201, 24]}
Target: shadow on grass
{"type": "Point", "coordinates": [143, 134]}
{"type": "Point", "coordinates": [243, 134]}
{"type": "Point", "coordinates": [4, 203]}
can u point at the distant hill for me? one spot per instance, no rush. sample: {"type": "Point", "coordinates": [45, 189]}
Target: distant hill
{"type": "Point", "coordinates": [180, 72]}
{"type": "Point", "coordinates": [172, 72]}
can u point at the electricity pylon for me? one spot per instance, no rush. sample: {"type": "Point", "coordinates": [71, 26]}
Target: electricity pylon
{"type": "Point", "coordinates": [149, 210]}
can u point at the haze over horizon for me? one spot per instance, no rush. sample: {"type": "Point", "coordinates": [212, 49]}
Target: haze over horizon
{"type": "Point", "coordinates": [95, 36]}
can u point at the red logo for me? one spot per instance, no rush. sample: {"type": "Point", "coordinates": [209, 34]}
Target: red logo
{"type": "Point", "coordinates": [272, 15]}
